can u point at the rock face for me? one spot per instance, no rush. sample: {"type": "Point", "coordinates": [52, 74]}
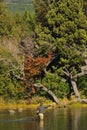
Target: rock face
{"type": "Point", "coordinates": [27, 46]}
{"type": "Point", "coordinates": [12, 46]}
{"type": "Point", "coordinates": [19, 49]}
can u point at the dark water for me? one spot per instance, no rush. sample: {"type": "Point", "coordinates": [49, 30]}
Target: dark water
{"type": "Point", "coordinates": [56, 119]}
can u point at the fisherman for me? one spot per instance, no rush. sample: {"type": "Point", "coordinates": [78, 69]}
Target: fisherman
{"type": "Point", "coordinates": [41, 110]}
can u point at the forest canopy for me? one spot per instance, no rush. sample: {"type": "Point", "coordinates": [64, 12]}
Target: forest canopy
{"type": "Point", "coordinates": [53, 50]}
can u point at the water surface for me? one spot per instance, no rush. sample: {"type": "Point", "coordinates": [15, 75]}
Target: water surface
{"type": "Point", "coordinates": [20, 5]}
{"type": "Point", "coordinates": [55, 119]}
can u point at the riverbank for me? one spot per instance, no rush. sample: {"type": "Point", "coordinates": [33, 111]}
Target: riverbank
{"type": "Point", "coordinates": [23, 105]}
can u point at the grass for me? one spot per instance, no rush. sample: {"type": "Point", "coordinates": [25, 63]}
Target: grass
{"type": "Point", "coordinates": [77, 104]}
{"type": "Point", "coordinates": [13, 105]}
{"type": "Point", "coordinates": [23, 104]}
{"type": "Point", "coordinates": [35, 103]}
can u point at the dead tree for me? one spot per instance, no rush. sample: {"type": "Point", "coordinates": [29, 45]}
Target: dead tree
{"type": "Point", "coordinates": [73, 80]}
{"type": "Point", "coordinates": [40, 86]}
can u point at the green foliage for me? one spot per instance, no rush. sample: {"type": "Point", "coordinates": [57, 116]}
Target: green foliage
{"type": "Point", "coordinates": [29, 20]}
{"type": "Point", "coordinates": [15, 24]}
{"type": "Point", "coordinates": [82, 85]}
{"type": "Point", "coordinates": [54, 83]}
{"type": "Point", "coordinates": [60, 26]}
{"type": "Point", "coordinates": [41, 8]}
{"type": "Point", "coordinates": [6, 22]}
{"type": "Point", "coordinates": [65, 32]}
{"type": "Point", "coordinates": [62, 31]}
{"type": "Point", "coordinates": [10, 88]}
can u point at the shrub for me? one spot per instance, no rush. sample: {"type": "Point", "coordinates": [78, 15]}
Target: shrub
{"type": "Point", "coordinates": [82, 85]}
{"type": "Point", "coordinates": [54, 83]}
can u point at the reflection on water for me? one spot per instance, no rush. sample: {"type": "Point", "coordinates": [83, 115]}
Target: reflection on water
{"type": "Point", "coordinates": [41, 125]}
{"type": "Point", "coordinates": [56, 119]}
{"type": "Point", "coordinates": [67, 119]}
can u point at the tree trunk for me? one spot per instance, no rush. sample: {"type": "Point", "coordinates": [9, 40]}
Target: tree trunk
{"type": "Point", "coordinates": [40, 86]}
{"type": "Point", "coordinates": [75, 89]}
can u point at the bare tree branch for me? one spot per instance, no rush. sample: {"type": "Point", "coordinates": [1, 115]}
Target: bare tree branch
{"type": "Point", "coordinates": [48, 91]}
{"type": "Point", "coordinates": [79, 75]}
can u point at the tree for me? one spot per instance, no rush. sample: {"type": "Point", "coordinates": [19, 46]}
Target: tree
{"type": "Point", "coordinates": [65, 32]}
{"type": "Point", "coordinates": [34, 67]}
{"type": "Point", "coordinates": [41, 8]}
{"type": "Point", "coordinates": [6, 27]}
{"type": "Point", "coordinates": [10, 87]}
{"type": "Point", "coordinates": [15, 24]}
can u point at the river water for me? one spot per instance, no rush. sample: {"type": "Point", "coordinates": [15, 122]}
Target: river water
{"type": "Point", "coordinates": [55, 119]}
{"type": "Point", "coordinates": [19, 5]}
